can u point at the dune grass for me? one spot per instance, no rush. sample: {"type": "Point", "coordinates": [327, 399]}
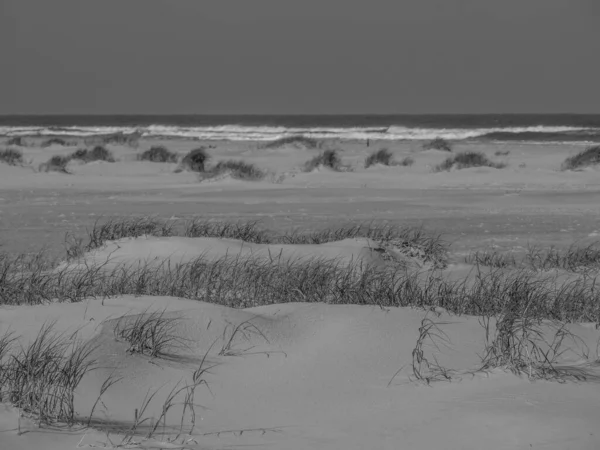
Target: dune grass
{"type": "Point", "coordinates": [382, 156]}
{"type": "Point", "coordinates": [297, 140]}
{"type": "Point", "coordinates": [11, 157]}
{"type": "Point", "coordinates": [17, 141]}
{"type": "Point", "coordinates": [466, 160]}
{"type": "Point", "coordinates": [245, 282]}
{"type": "Point", "coordinates": [158, 154]}
{"type": "Point", "coordinates": [195, 160]}
{"type": "Point", "coordinates": [575, 258]}
{"type": "Point", "coordinates": [329, 158]}
{"type": "Point", "coordinates": [56, 141]}
{"type": "Point", "coordinates": [40, 379]}
{"type": "Point", "coordinates": [58, 163]}
{"type": "Point", "coordinates": [438, 144]}
{"type": "Point", "coordinates": [98, 153]}
{"type": "Point", "coordinates": [237, 169]}
{"type": "Point", "coordinates": [586, 158]}
{"type": "Point", "coordinates": [149, 333]}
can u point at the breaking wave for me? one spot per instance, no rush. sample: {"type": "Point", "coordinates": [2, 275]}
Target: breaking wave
{"type": "Point", "coordinates": [268, 133]}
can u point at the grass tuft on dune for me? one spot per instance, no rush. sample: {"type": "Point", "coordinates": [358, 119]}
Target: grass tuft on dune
{"type": "Point", "coordinates": [438, 144]}
{"type": "Point", "coordinates": [158, 154]}
{"type": "Point", "coordinates": [58, 163]}
{"type": "Point", "coordinates": [196, 160]}
{"type": "Point", "coordinates": [586, 158]}
{"type": "Point", "coordinates": [17, 141]}
{"type": "Point", "coordinates": [329, 158]}
{"type": "Point", "coordinates": [238, 169]}
{"type": "Point", "coordinates": [11, 157]}
{"type": "Point", "coordinates": [466, 160]}
{"type": "Point", "coordinates": [98, 153]}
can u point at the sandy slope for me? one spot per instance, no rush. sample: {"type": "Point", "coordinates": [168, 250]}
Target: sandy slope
{"type": "Point", "coordinates": [324, 383]}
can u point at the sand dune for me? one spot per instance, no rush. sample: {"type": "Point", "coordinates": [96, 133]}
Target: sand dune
{"type": "Point", "coordinates": [310, 375]}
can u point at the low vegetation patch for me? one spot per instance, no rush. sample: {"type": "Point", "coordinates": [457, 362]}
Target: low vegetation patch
{"type": "Point", "coordinates": [11, 157]}
{"type": "Point", "coordinates": [196, 160]}
{"type": "Point", "coordinates": [574, 258]}
{"type": "Point", "coordinates": [586, 158]}
{"type": "Point", "coordinates": [58, 163]}
{"type": "Point", "coordinates": [17, 141]}
{"type": "Point", "coordinates": [382, 156]}
{"type": "Point", "coordinates": [468, 159]}
{"type": "Point", "coordinates": [438, 144]}
{"type": "Point", "coordinates": [158, 154]}
{"type": "Point", "coordinates": [298, 141]}
{"type": "Point", "coordinates": [56, 141]}
{"type": "Point", "coordinates": [240, 170]}
{"type": "Point", "coordinates": [41, 378]}
{"type": "Point", "coordinates": [329, 158]}
{"type": "Point", "coordinates": [502, 153]}
{"type": "Point", "coordinates": [151, 334]}
{"type": "Point", "coordinates": [98, 153]}
{"type": "Point", "coordinates": [406, 161]}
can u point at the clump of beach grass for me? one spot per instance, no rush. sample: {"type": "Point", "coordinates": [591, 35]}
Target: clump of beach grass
{"type": "Point", "coordinates": [466, 160]}
{"type": "Point", "coordinates": [158, 154]}
{"type": "Point", "coordinates": [586, 158]}
{"type": "Point", "coordinates": [98, 153]}
{"type": "Point", "coordinates": [17, 141]}
{"type": "Point", "coordinates": [237, 169]}
{"type": "Point", "coordinates": [41, 378]}
{"type": "Point", "coordinates": [149, 333]}
{"type": "Point", "coordinates": [58, 163]}
{"type": "Point", "coordinates": [56, 141]}
{"type": "Point", "coordinates": [196, 160]}
{"type": "Point", "coordinates": [329, 158]}
{"type": "Point", "coordinates": [382, 156]}
{"type": "Point", "coordinates": [438, 144]}
{"type": "Point", "coordinates": [296, 140]}
{"type": "Point", "coordinates": [11, 156]}
{"type": "Point", "coordinates": [406, 161]}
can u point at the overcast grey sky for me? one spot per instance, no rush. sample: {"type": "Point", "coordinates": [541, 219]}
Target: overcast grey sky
{"type": "Point", "coordinates": [299, 56]}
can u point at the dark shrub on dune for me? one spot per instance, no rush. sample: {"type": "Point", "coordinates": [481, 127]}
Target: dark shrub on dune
{"type": "Point", "coordinates": [98, 153]}
{"type": "Point", "coordinates": [17, 140]}
{"type": "Point", "coordinates": [158, 154]}
{"type": "Point", "coordinates": [468, 159]}
{"type": "Point", "coordinates": [236, 169]}
{"type": "Point", "coordinates": [55, 141]}
{"type": "Point", "coordinates": [438, 144]}
{"type": "Point", "coordinates": [58, 163]}
{"type": "Point", "coordinates": [300, 141]}
{"type": "Point", "coordinates": [196, 160]}
{"type": "Point", "coordinates": [11, 157]}
{"type": "Point", "coordinates": [382, 156]}
{"type": "Point", "coordinates": [588, 157]}
{"type": "Point", "coordinates": [329, 158]}
{"type": "Point", "coordinates": [408, 161]}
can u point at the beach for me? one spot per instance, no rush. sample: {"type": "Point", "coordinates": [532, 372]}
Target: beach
{"type": "Point", "coordinates": [327, 369]}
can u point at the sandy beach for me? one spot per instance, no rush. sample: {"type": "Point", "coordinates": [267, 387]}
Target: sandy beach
{"type": "Point", "coordinates": [288, 367]}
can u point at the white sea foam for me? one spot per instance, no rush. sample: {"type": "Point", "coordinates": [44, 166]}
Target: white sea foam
{"type": "Point", "coordinates": [267, 133]}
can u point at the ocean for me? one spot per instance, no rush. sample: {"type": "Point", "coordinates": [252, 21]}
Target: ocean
{"type": "Point", "coordinates": [583, 128]}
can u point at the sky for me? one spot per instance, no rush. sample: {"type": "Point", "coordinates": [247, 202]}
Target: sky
{"type": "Point", "coordinates": [299, 56]}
